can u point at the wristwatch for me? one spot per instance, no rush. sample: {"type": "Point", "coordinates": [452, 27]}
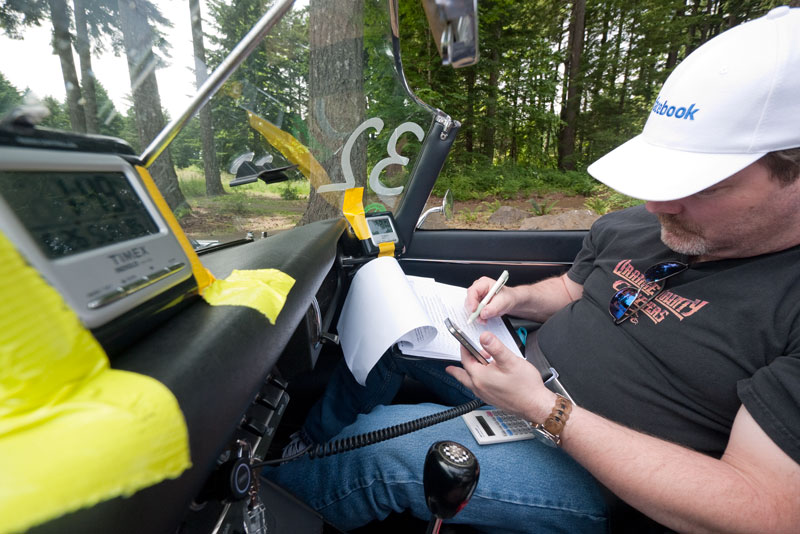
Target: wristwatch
{"type": "Point", "coordinates": [553, 426]}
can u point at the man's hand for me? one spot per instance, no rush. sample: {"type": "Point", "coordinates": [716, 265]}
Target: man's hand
{"type": "Point", "coordinates": [536, 301]}
{"type": "Point", "coordinates": [503, 302]}
{"type": "Point", "coordinates": [509, 382]}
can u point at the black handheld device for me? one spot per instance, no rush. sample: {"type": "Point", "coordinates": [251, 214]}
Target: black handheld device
{"type": "Point", "coordinates": [464, 340]}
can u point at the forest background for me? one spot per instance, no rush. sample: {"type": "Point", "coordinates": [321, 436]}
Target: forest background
{"type": "Point", "coordinates": [558, 84]}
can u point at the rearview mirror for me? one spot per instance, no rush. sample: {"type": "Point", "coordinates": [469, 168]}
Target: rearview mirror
{"type": "Point", "coordinates": [454, 25]}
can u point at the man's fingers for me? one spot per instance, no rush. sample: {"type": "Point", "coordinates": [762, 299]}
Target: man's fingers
{"type": "Point", "coordinates": [476, 292]}
{"type": "Point", "coordinates": [494, 347]}
{"type": "Point", "coordinates": [460, 374]}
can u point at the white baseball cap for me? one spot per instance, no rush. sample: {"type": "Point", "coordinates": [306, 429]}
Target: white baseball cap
{"type": "Point", "coordinates": [731, 101]}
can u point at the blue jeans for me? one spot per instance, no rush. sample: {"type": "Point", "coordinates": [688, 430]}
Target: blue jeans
{"type": "Point", "coordinates": [344, 398]}
{"type": "Point", "coordinates": [524, 486]}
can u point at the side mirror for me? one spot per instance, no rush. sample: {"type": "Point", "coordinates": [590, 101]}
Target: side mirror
{"type": "Point", "coordinates": [446, 208]}
{"type": "Point", "coordinates": [454, 25]}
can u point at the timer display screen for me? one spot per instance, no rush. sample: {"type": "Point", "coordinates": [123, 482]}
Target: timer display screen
{"type": "Point", "coordinates": [380, 225]}
{"type": "Point", "coordinates": [71, 212]}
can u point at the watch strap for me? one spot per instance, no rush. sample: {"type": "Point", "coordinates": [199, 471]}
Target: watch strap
{"type": "Point", "coordinates": [553, 426]}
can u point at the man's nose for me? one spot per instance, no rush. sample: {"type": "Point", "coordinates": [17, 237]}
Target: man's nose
{"type": "Point", "coordinates": [670, 207]}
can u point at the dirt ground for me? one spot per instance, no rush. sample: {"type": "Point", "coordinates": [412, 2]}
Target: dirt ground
{"type": "Point", "coordinates": [208, 221]}
{"type": "Point", "coordinates": [474, 214]}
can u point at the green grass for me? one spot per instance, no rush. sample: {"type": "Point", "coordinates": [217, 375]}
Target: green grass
{"type": "Point", "coordinates": [193, 185]}
{"type": "Point", "coordinates": [252, 207]}
{"type": "Point", "coordinates": [604, 200]}
{"type": "Point", "coordinates": [510, 181]}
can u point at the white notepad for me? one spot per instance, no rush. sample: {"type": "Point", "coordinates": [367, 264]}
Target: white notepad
{"type": "Point", "coordinates": [384, 307]}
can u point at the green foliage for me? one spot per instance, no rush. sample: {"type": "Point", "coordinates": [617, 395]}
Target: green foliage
{"type": "Point", "coordinates": [508, 181]}
{"type": "Point", "coordinates": [542, 209]}
{"type": "Point", "coordinates": [605, 199]}
{"type": "Point", "coordinates": [186, 149]}
{"type": "Point", "coordinates": [192, 182]}
{"type": "Point", "coordinates": [10, 97]}
{"type": "Point", "coordinates": [59, 115]}
{"type": "Point", "coordinates": [469, 215]}
{"type": "Point", "coordinates": [493, 205]}
{"type": "Point", "coordinates": [508, 105]}
{"type": "Point", "coordinates": [109, 120]}
{"type": "Point", "coordinates": [272, 83]}
{"type": "Point", "coordinates": [290, 192]}
{"type": "Point", "coordinates": [598, 205]}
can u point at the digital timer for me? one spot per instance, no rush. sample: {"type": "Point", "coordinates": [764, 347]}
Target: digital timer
{"type": "Point", "coordinates": [87, 224]}
{"type": "Point", "coordinates": [70, 212]}
{"type": "Point", "coordinates": [382, 228]}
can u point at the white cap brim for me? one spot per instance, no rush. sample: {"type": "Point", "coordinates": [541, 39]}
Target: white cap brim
{"type": "Point", "coordinates": [642, 170]}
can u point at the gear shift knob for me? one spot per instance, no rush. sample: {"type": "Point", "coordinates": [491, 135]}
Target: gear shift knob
{"type": "Point", "coordinates": [449, 478]}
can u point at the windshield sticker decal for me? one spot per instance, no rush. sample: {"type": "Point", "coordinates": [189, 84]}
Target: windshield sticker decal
{"type": "Point", "coordinates": [394, 158]}
{"type": "Point", "coordinates": [375, 183]}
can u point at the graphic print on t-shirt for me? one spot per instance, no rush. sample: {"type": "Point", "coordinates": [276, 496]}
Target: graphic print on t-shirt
{"type": "Point", "coordinates": [665, 304]}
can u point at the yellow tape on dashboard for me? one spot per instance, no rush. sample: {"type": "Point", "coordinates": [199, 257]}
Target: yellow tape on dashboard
{"type": "Point", "coordinates": [202, 275]}
{"type": "Point", "coordinates": [73, 432]}
{"type": "Point", "coordinates": [353, 209]}
{"type": "Point", "coordinates": [264, 290]}
{"type": "Point", "coordinates": [386, 249]}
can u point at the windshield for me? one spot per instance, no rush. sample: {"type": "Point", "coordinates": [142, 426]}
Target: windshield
{"type": "Point", "coordinates": [317, 108]}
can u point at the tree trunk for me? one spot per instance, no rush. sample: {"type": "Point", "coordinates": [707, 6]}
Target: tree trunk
{"type": "Point", "coordinates": [626, 69]}
{"type": "Point", "coordinates": [210, 165]}
{"type": "Point", "coordinates": [569, 111]}
{"type": "Point", "coordinates": [513, 150]}
{"type": "Point", "coordinates": [489, 124]}
{"type": "Point", "coordinates": [62, 44]}
{"type": "Point", "coordinates": [469, 119]}
{"type": "Point", "coordinates": [336, 96]}
{"type": "Point", "coordinates": [142, 61]}
{"type": "Point", "coordinates": [83, 46]}
{"type": "Point", "coordinates": [672, 56]}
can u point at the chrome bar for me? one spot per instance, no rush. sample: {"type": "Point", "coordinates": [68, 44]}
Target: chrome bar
{"type": "Point", "coordinates": [217, 78]}
{"type": "Point", "coordinates": [520, 263]}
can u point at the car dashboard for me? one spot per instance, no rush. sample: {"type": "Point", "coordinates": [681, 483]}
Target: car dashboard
{"type": "Point", "coordinates": [220, 363]}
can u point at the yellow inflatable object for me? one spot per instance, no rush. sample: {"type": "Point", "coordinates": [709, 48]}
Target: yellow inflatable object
{"type": "Point", "coordinates": [73, 432]}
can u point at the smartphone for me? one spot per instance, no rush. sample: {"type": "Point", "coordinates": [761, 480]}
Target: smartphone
{"type": "Point", "coordinates": [464, 340]}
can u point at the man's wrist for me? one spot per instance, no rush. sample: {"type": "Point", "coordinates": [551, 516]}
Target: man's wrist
{"type": "Point", "coordinates": [542, 406]}
{"type": "Point", "coordinates": [553, 425]}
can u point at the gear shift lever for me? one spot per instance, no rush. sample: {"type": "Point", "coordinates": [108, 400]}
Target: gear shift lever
{"type": "Point", "coordinates": [449, 478]}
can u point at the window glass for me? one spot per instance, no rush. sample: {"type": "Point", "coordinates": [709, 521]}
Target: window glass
{"type": "Point", "coordinates": [317, 108]}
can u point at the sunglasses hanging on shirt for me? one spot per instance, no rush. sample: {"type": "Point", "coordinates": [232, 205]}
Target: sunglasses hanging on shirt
{"type": "Point", "coordinates": [622, 306]}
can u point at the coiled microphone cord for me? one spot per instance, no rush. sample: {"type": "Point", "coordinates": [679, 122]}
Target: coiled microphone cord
{"type": "Point", "coordinates": [376, 436]}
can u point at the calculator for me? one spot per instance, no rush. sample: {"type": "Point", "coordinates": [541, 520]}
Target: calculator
{"type": "Point", "coordinates": [497, 426]}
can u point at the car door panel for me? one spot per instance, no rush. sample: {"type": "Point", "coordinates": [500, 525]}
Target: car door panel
{"type": "Point", "coordinates": [460, 257]}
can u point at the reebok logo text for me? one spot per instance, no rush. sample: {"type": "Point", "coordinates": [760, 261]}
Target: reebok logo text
{"type": "Point", "coordinates": [663, 108]}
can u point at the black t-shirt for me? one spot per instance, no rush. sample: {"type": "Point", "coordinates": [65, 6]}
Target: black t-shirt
{"type": "Point", "coordinates": [721, 334]}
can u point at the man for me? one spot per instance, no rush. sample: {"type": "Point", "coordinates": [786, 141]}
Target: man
{"type": "Point", "coordinates": [676, 331]}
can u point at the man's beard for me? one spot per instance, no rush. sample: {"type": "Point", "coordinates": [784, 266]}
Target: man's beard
{"type": "Point", "coordinates": [682, 237]}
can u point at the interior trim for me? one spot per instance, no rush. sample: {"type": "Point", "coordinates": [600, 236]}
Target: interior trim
{"type": "Point", "coordinates": [491, 262]}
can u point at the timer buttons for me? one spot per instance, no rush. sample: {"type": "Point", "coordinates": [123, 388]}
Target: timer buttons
{"type": "Point", "coordinates": [108, 298]}
{"type": "Point", "coordinates": [132, 287]}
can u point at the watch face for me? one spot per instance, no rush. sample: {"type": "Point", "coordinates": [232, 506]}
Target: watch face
{"type": "Point", "coordinates": [542, 437]}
